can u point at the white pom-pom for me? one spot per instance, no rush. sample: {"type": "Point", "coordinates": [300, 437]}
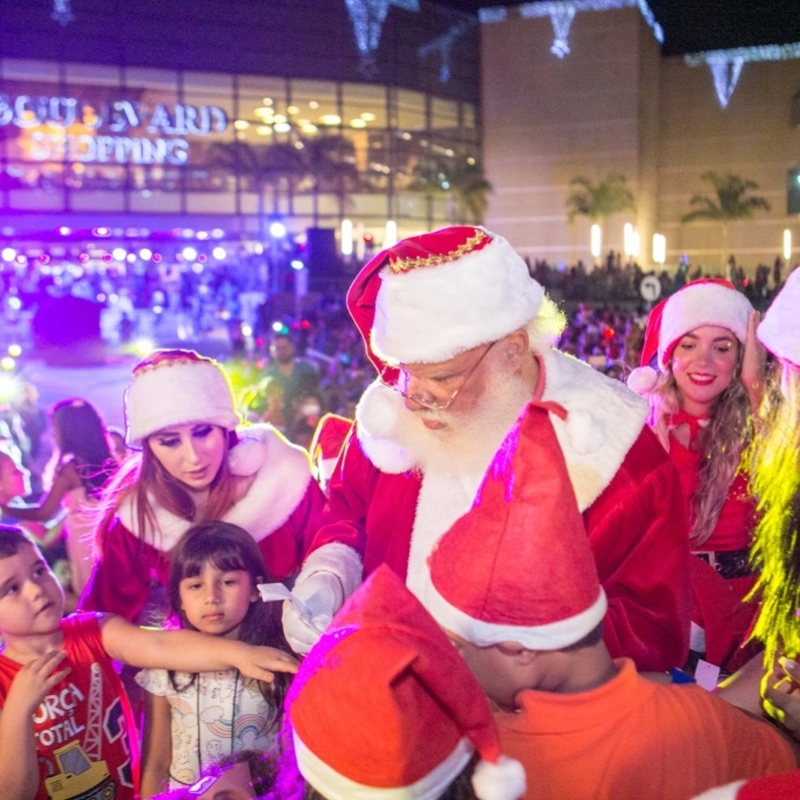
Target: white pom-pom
{"type": "Point", "coordinates": [642, 380]}
{"type": "Point", "coordinates": [504, 780]}
{"type": "Point", "coordinates": [247, 457]}
{"type": "Point", "coordinates": [586, 434]}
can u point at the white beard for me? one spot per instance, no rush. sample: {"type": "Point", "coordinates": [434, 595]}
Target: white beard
{"type": "Point", "coordinates": [453, 461]}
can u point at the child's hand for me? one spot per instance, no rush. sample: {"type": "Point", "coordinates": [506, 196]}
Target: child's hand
{"type": "Point", "coordinates": [35, 680]}
{"type": "Point", "coordinates": [261, 662]}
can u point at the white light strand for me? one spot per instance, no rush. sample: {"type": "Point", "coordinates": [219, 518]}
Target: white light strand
{"type": "Point", "coordinates": [368, 17]}
{"type": "Point", "coordinates": [444, 44]}
{"type": "Point", "coordinates": [557, 10]}
{"type": "Point", "coordinates": [62, 13]}
{"type": "Point", "coordinates": [765, 52]}
{"type": "Point", "coordinates": [561, 19]}
{"type": "Point", "coordinates": [726, 76]}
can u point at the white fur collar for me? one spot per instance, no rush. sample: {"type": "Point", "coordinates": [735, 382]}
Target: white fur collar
{"type": "Point", "coordinates": [281, 476]}
{"type": "Point", "coordinates": [604, 418]}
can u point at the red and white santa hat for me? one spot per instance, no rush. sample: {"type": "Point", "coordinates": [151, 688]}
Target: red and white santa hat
{"type": "Point", "coordinates": [770, 787]}
{"type": "Point", "coordinates": [779, 331]}
{"type": "Point", "coordinates": [176, 387]}
{"type": "Point", "coordinates": [433, 296]}
{"type": "Point", "coordinates": [384, 706]}
{"type": "Point", "coordinates": [708, 301]}
{"type": "Point", "coordinates": [329, 437]}
{"type": "Point", "coordinates": [517, 567]}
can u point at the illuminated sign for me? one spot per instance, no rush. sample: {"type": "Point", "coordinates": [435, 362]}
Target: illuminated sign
{"type": "Point", "coordinates": [67, 129]}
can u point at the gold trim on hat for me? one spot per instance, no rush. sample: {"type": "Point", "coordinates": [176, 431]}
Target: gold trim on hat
{"type": "Point", "coordinates": [408, 264]}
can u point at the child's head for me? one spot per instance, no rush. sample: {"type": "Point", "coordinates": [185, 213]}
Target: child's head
{"type": "Point", "coordinates": [31, 599]}
{"type": "Point", "coordinates": [383, 705]}
{"type": "Point", "coordinates": [214, 570]}
{"type": "Point", "coordinates": [14, 478]}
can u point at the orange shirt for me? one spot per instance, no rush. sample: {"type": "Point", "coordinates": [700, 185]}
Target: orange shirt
{"type": "Point", "coordinates": [632, 738]}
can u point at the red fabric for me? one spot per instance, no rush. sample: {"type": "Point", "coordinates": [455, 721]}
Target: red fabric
{"type": "Point", "coordinates": [737, 520]}
{"type": "Point", "coordinates": [773, 787]}
{"type": "Point", "coordinates": [633, 738]}
{"type": "Point", "coordinates": [122, 578]}
{"type": "Point", "coordinates": [105, 730]}
{"type": "Point", "coordinates": [636, 530]}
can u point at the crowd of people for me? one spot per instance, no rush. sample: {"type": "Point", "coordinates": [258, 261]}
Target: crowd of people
{"type": "Point", "coordinates": [616, 565]}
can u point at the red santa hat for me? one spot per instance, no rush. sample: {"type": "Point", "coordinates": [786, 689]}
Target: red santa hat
{"type": "Point", "coordinates": [430, 297]}
{"type": "Point", "coordinates": [384, 706]}
{"type": "Point", "coordinates": [779, 331]}
{"type": "Point", "coordinates": [771, 787]}
{"type": "Point", "coordinates": [517, 567]}
{"type": "Point", "coordinates": [708, 301]}
{"type": "Point", "coordinates": [177, 387]}
{"type": "Point", "coordinates": [326, 444]}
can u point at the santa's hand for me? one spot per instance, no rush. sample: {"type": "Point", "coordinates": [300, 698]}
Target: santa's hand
{"type": "Point", "coordinates": [309, 611]}
{"type": "Point", "coordinates": [780, 697]}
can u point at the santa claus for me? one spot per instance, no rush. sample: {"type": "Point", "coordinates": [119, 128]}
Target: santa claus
{"type": "Point", "coordinates": [461, 337]}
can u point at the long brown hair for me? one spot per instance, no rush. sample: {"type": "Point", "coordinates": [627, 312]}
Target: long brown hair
{"type": "Point", "coordinates": [722, 443]}
{"type": "Point", "coordinates": [144, 479]}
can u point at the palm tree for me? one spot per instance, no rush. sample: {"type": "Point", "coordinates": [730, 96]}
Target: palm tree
{"type": "Point", "coordinates": [330, 162]}
{"type": "Point", "coordinates": [729, 202]}
{"type": "Point", "coordinates": [279, 166]}
{"type": "Point", "coordinates": [599, 201]}
{"type": "Point", "coordinates": [459, 177]}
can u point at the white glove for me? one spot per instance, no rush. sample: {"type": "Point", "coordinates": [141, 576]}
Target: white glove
{"type": "Point", "coordinates": [309, 611]}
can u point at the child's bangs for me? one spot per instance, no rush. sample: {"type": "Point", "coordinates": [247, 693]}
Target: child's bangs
{"type": "Point", "coordinates": [225, 556]}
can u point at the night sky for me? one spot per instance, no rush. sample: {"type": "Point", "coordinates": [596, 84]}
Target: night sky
{"type": "Point", "coordinates": [694, 25]}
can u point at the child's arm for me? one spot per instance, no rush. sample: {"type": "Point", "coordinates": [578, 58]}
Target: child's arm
{"type": "Point", "coordinates": [19, 764]}
{"type": "Point", "coordinates": [66, 478]}
{"type": "Point", "coordinates": [189, 651]}
{"type": "Point", "coordinates": [156, 745]}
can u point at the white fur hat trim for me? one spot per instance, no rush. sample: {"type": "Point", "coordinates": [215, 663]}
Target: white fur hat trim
{"type": "Point", "coordinates": [779, 331]}
{"type": "Point", "coordinates": [433, 313]}
{"type": "Point", "coordinates": [642, 380]}
{"type": "Point", "coordinates": [702, 303]}
{"type": "Point", "coordinates": [177, 393]}
{"type": "Point", "coordinates": [504, 780]}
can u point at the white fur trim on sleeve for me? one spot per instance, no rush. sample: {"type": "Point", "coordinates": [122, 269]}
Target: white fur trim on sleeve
{"type": "Point", "coordinates": [338, 559]}
{"type": "Point", "coordinates": [728, 792]}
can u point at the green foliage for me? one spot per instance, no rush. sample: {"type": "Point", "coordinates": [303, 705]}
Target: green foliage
{"type": "Point", "coordinates": [459, 176]}
{"type": "Point", "coordinates": [729, 200]}
{"type": "Point", "coordinates": [599, 201]}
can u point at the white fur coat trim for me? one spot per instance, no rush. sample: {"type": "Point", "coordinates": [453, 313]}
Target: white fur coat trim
{"type": "Point", "coordinates": [604, 418]}
{"type": "Point", "coordinates": [281, 476]}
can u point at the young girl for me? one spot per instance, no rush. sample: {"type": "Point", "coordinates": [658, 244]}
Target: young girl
{"type": "Point", "coordinates": [192, 720]}
{"type": "Point", "coordinates": [710, 379]}
{"type": "Point", "coordinates": [80, 467]}
{"type": "Point", "coordinates": [194, 466]}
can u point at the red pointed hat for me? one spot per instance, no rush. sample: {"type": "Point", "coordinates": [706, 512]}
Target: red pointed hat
{"type": "Point", "coordinates": [517, 566]}
{"type": "Point", "coordinates": [779, 331]}
{"type": "Point", "coordinates": [433, 296]}
{"type": "Point", "coordinates": [707, 301]}
{"type": "Point", "coordinates": [770, 787]}
{"type": "Point", "coordinates": [384, 706]}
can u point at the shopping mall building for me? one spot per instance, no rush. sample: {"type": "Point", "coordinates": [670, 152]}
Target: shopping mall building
{"type": "Point", "coordinates": [166, 124]}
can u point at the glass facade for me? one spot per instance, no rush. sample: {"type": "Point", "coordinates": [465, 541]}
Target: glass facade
{"type": "Point", "coordinates": [240, 147]}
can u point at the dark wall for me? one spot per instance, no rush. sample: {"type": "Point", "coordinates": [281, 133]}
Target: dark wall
{"type": "Point", "coordinates": [293, 38]}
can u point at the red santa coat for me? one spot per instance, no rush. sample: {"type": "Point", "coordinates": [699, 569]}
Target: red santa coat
{"type": "Point", "coordinates": [627, 488]}
{"type": "Point", "coordinates": [281, 510]}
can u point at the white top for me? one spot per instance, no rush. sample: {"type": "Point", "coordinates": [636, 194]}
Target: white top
{"type": "Point", "coordinates": [218, 714]}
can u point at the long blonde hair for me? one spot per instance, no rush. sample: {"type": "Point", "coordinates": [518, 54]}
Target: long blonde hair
{"type": "Point", "coordinates": [774, 462]}
{"type": "Point", "coordinates": [142, 478]}
{"type": "Point", "coordinates": [722, 443]}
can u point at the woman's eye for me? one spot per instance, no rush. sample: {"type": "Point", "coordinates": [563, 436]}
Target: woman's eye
{"type": "Point", "coordinates": [201, 433]}
{"type": "Point", "coordinates": [168, 442]}
{"type": "Point", "coordinates": [12, 589]}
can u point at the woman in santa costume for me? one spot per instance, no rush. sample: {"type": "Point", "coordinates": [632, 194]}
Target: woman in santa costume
{"type": "Point", "coordinates": [460, 335]}
{"type": "Point", "coordinates": [195, 465]}
{"type": "Point", "coordinates": [708, 382]}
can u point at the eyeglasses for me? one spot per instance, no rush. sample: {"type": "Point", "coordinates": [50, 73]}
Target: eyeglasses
{"type": "Point", "coordinates": [400, 384]}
